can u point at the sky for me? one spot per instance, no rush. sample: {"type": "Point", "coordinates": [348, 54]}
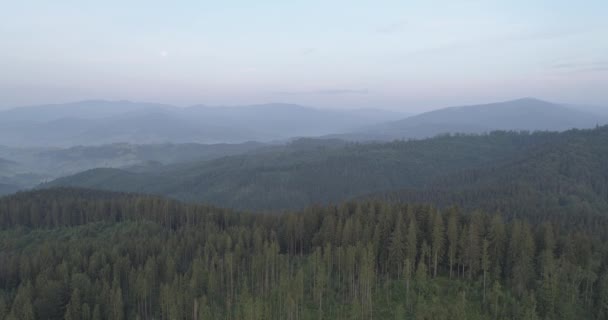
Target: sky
{"type": "Point", "coordinates": [402, 55]}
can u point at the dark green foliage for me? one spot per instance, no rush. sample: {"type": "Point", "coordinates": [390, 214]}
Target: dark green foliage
{"type": "Point", "coordinates": [567, 176]}
{"type": "Point", "coordinates": [311, 172]}
{"type": "Point", "coordinates": [83, 254]}
{"type": "Point", "coordinates": [523, 173]}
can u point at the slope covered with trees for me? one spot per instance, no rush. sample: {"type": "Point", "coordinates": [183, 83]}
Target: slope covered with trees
{"type": "Point", "coordinates": [541, 170]}
{"type": "Point", "coordinates": [27, 167]}
{"type": "Point", "coordinates": [566, 177]}
{"type": "Point", "coordinates": [83, 254]}
{"type": "Point", "coordinates": [312, 172]}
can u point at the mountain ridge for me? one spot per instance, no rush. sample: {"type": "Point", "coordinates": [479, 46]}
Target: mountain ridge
{"type": "Point", "coordinates": [524, 114]}
{"type": "Point", "coordinates": [71, 124]}
{"type": "Point", "coordinates": [294, 177]}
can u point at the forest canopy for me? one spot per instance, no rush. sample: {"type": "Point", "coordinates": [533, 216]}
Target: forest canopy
{"type": "Point", "coordinates": [85, 254]}
{"type": "Point", "coordinates": [324, 172]}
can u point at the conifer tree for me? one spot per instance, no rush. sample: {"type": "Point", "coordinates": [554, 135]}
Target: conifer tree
{"type": "Point", "coordinates": [73, 310]}
{"type": "Point", "coordinates": [452, 238]}
{"type": "Point", "coordinates": [438, 238]}
{"type": "Point", "coordinates": [396, 249]}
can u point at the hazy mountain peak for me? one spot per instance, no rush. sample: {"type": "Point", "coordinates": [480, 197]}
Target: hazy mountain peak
{"type": "Point", "coordinates": [509, 105]}
{"type": "Point", "coordinates": [94, 122]}
{"type": "Point", "coordinates": [528, 100]}
{"type": "Point", "coordinates": [87, 109]}
{"type": "Point", "coordinates": [482, 113]}
{"type": "Point", "coordinates": [531, 114]}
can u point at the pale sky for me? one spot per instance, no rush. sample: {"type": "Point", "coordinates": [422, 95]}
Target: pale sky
{"type": "Point", "coordinates": [402, 55]}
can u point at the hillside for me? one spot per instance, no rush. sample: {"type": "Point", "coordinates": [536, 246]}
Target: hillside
{"type": "Point", "coordinates": [522, 114]}
{"type": "Point", "coordinates": [569, 178]}
{"type": "Point", "coordinates": [563, 167]}
{"type": "Point", "coordinates": [296, 176]}
{"type": "Point", "coordinates": [28, 167]}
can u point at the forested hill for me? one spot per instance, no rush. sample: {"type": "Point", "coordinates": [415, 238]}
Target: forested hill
{"type": "Point", "coordinates": [438, 169]}
{"type": "Point", "coordinates": [568, 177]}
{"type": "Point", "coordinates": [83, 254]}
{"type": "Point", "coordinates": [286, 178]}
{"type": "Point", "coordinates": [27, 167]}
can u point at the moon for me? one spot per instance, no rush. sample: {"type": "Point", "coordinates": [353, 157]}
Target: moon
{"type": "Point", "coordinates": [164, 53]}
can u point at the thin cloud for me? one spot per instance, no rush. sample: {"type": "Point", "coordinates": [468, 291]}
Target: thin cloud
{"type": "Point", "coordinates": [564, 65]}
{"type": "Point", "coordinates": [308, 51]}
{"type": "Point", "coordinates": [394, 27]}
{"type": "Point", "coordinates": [576, 67]}
{"type": "Point", "coordinates": [498, 39]}
{"type": "Point", "coordinates": [546, 34]}
{"type": "Point", "coordinates": [327, 92]}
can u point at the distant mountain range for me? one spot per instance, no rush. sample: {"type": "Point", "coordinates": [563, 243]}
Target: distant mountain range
{"type": "Point", "coordinates": [526, 114]}
{"type": "Point", "coordinates": [90, 109]}
{"type": "Point", "coordinates": [98, 122]}
{"type": "Point", "coordinates": [99, 127]}
{"type": "Point", "coordinates": [103, 122]}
